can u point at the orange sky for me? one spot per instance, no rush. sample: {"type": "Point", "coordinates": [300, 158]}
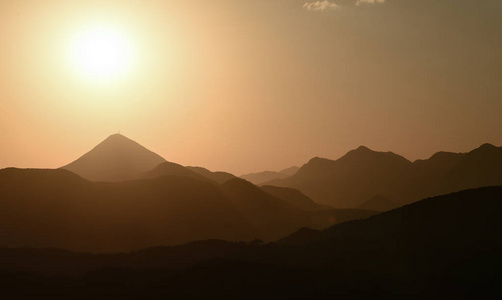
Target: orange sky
{"type": "Point", "coordinates": [245, 86]}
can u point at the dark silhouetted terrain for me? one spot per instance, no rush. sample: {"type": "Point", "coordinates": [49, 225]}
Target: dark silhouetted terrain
{"type": "Point", "coordinates": [350, 180]}
{"type": "Point", "coordinates": [218, 177]}
{"type": "Point", "coordinates": [236, 240]}
{"type": "Point", "coordinates": [290, 171]}
{"type": "Point", "coordinates": [363, 174]}
{"type": "Point", "coordinates": [294, 197]}
{"type": "Point", "coordinates": [265, 176]}
{"type": "Point", "coordinates": [271, 215]}
{"type": "Point", "coordinates": [378, 203]}
{"type": "Point", "coordinates": [117, 158]}
{"type": "Point", "coordinates": [446, 247]}
{"type": "Point", "coordinates": [480, 167]}
{"type": "Point", "coordinates": [56, 208]}
{"type": "Point", "coordinates": [173, 169]}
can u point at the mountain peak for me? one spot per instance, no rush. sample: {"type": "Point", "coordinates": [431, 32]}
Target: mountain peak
{"type": "Point", "coordinates": [487, 146]}
{"type": "Point", "coordinates": [363, 148]}
{"type": "Point", "coordinates": [115, 136]}
{"type": "Point", "coordinates": [117, 158]}
{"type": "Point", "coordinates": [363, 151]}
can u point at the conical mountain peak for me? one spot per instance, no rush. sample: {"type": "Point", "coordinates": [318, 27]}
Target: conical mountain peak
{"type": "Point", "coordinates": [117, 158]}
{"type": "Point", "coordinates": [117, 136]}
{"type": "Point", "coordinates": [118, 140]}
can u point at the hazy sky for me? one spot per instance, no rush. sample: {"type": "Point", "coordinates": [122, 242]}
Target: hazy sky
{"type": "Point", "coordinates": [249, 85]}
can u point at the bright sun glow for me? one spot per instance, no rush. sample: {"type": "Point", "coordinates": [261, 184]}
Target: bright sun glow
{"type": "Point", "coordinates": [101, 53]}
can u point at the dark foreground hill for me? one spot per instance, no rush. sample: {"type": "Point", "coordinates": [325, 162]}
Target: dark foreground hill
{"type": "Point", "coordinates": [446, 247]}
{"type": "Point", "coordinates": [379, 203]}
{"type": "Point", "coordinates": [56, 208]}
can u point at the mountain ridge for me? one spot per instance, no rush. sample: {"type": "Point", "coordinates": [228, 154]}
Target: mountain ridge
{"type": "Point", "coordinates": [335, 182]}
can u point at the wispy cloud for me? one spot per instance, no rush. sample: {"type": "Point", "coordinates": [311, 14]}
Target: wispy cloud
{"type": "Point", "coordinates": [369, 1]}
{"type": "Point", "coordinates": [321, 5]}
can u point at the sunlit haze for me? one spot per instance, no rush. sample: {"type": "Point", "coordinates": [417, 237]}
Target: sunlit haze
{"type": "Point", "coordinates": [101, 53]}
{"type": "Point", "coordinates": [245, 86]}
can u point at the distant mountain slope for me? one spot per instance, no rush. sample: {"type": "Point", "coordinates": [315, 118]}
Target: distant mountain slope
{"type": "Point", "coordinates": [117, 158]}
{"type": "Point", "coordinates": [363, 173]}
{"type": "Point", "coordinates": [378, 203]}
{"type": "Point", "coordinates": [277, 216]}
{"type": "Point", "coordinates": [56, 208]}
{"type": "Point", "coordinates": [262, 177]}
{"type": "Point", "coordinates": [219, 177]}
{"type": "Point", "coordinates": [264, 210]}
{"type": "Point", "coordinates": [266, 176]}
{"type": "Point", "coordinates": [293, 197]}
{"type": "Point", "coordinates": [172, 169]}
{"type": "Point", "coordinates": [290, 171]}
{"type": "Point", "coordinates": [350, 180]}
{"type": "Point", "coordinates": [426, 176]}
{"type": "Point", "coordinates": [480, 167]}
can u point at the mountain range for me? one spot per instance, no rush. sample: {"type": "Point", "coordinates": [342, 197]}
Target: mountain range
{"type": "Point", "coordinates": [121, 196]}
{"type": "Point", "coordinates": [131, 207]}
{"type": "Point", "coordinates": [346, 183]}
{"type": "Point", "coordinates": [362, 174]}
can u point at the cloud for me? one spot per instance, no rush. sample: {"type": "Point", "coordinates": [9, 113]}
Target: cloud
{"type": "Point", "coordinates": [321, 5]}
{"type": "Point", "coordinates": [369, 1]}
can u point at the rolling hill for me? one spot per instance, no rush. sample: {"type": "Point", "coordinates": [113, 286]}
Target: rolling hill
{"type": "Point", "coordinates": [56, 208]}
{"type": "Point", "coordinates": [438, 248]}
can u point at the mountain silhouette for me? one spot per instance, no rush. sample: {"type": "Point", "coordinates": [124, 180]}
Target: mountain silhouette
{"type": "Point", "coordinates": [437, 248]}
{"type": "Point", "coordinates": [266, 212]}
{"type": "Point", "coordinates": [218, 177]}
{"type": "Point", "coordinates": [290, 171]}
{"type": "Point", "coordinates": [426, 176]}
{"type": "Point", "coordinates": [266, 176]}
{"type": "Point", "coordinates": [56, 208]}
{"type": "Point", "coordinates": [171, 205]}
{"type": "Point", "coordinates": [451, 221]}
{"type": "Point", "coordinates": [173, 169]}
{"type": "Point", "coordinates": [351, 180]}
{"type": "Point", "coordinates": [117, 158]}
{"type": "Point", "coordinates": [480, 167]}
{"type": "Point", "coordinates": [276, 212]}
{"type": "Point", "coordinates": [362, 173]}
{"type": "Point", "coordinates": [378, 203]}
{"type": "Point", "coordinates": [293, 197]}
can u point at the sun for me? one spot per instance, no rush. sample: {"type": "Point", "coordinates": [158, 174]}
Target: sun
{"type": "Point", "coordinates": [101, 52]}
